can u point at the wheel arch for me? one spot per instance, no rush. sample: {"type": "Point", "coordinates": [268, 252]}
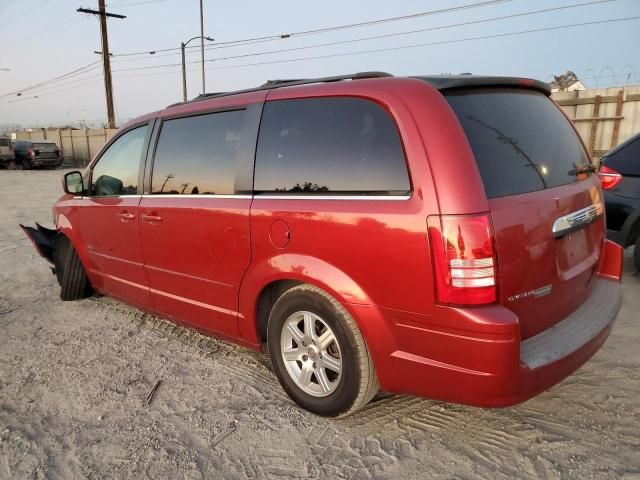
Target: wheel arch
{"type": "Point", "coordinates": [266, 281]}
{"type": "Point", "coordinates": [66, 229]}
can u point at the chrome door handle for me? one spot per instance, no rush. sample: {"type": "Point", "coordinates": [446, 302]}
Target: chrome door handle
{"type": "Point", "coordinates": [151, 218]}
{"type": "Point", "coordinates": [126, 215]}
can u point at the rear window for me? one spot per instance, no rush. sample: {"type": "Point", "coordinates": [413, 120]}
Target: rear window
{"type": "Point", "coordinates": [521, 141]}
{"type": "Point", "coordinates": [625, 159]}
{"type": "Point", "coordinates": [324, 146]}
{"type": "Point", "coordinates": [44, 145]}
{"type": "Point", "coordinates": [4, 142]}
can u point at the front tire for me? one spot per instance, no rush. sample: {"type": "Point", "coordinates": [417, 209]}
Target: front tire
{"type": "Point", "coordinates": [73, 280]}
{"type": "Point", "coordinates": [319, 354]}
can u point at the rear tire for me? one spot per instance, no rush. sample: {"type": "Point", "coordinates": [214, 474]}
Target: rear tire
{"type": "Point", "coordinates": [636, 254]}
{"type": "Point", "coordinates": [26, 164]}
{"type": "Point", "coordinates": [73, 280]}
{"type": "Point", "coordinates": [315, 315]}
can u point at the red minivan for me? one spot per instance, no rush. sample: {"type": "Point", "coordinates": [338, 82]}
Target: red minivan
{"type": "Point", "coordinates": [438, 236]}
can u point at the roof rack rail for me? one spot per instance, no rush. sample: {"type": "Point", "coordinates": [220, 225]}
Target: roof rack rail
{"type": "Point", "coordinates": [293, 82]}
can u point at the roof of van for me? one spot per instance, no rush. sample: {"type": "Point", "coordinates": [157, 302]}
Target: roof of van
{"type": "Point", "coordinates": [441, 82]}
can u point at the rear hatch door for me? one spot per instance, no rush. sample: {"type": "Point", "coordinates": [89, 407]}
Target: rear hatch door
{"type": "Point", "coordinates": [46, 150]}
{"type": "Point", "coordinates": [545, 201]}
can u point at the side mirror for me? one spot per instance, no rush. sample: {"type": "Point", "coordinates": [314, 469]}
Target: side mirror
{"type": "Point", "coordinates": [72, 183]}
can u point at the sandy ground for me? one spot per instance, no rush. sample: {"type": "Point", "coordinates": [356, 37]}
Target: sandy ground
{"type": "Point", "coordinates": [73, 380]}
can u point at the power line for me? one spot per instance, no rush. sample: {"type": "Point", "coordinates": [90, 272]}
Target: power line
{"type": "Point", "coordinates": [249, 41]}
{"type": "Point", "coordinates": [60, 90]}
{"type": "Point", "coordinates": [26, 12]}
{"type": "Point", "coordinates": [389, 35]}
{"type": "Point", "coordinates": [89, 66]}
{"type": "Point", "coordinates": [135, 4]}
{"type": "Point", "coordinates": [151, 67]}
{"type": "Point", "coordinates": [86, 69]}
{"type": "Point", "coordinates": [334, 28]}
{"type": "Point", "coordinates": [443, 42]}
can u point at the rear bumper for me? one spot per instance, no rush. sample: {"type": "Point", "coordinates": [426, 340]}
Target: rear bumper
{"type": "Point", "coordinates": [46, 162]}
{"type": "Point", "coordinates": [479, 359]}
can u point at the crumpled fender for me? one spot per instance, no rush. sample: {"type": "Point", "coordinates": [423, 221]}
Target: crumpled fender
{"type": "Point", "coordinates": [43, 239]}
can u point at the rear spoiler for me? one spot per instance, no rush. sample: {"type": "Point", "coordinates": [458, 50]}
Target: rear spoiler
{"type": "Point", "coordinates": [450, 82]}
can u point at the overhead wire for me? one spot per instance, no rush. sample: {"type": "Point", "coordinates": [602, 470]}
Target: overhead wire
{"type": "Point", "coordinates": [386, 49]}
{"type": "Point", "coordinates": [331, 28]}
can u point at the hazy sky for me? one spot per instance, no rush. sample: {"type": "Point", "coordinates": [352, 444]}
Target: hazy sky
{"type": "Point", "coordinates": [42, 39]}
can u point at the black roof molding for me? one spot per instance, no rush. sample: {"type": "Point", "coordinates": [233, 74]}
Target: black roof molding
{"type": "Point", "coordinates": [450, 82]}
{"type": "Point", "coordinates": [271, 84]}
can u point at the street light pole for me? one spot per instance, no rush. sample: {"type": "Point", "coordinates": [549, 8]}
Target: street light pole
{"type": "Point", "coordinates": [184, 74]}
{"type": "Point", "coordinates": [204, 88]}
{"type": "Point", "coordinates": [183, 46]}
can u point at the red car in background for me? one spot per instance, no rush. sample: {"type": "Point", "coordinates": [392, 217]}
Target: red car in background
{"type": "Point", "coordinates": [438, 236]}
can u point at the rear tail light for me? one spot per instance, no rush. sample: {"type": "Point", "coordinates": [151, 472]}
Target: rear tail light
{"type": "Point", "coordinates": [10, 147]}
{"type": "Point", "coordinates": [31, 152]}
{"type": "Point", "coordinates": [609, 178]}
{"type": "Point", "coordinates": [464, 258]}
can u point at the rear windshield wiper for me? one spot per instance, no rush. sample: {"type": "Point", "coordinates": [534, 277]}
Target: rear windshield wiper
{"type": "Point", "coordinates": [582, 169]}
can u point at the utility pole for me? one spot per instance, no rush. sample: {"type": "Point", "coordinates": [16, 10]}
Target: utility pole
{"type": "Point", "coordinates": [204, 88]}
{"type": "Point", "coordinates": [106, 62]}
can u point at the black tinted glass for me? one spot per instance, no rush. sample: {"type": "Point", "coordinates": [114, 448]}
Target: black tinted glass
{"type": "Point", "coordinates": [521, 141]}
{"type": "Point", "coordinates": [4, 142]}
{"type": "Point", "coordinates": [197, 155]}
{"type": "Point", "coordinates": [116, 172]}
{"type": "Point", "coordinates": [626, 159]}
{"type": "Point", "coordinates": [329, 145]}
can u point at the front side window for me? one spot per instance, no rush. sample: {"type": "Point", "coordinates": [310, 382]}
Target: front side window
{"type": "Point", "coordinates": [329, 146]}
{"type": "Point", "coordinates": [116, 172]}
{"type": "Point", "coordinates": [197, 155]}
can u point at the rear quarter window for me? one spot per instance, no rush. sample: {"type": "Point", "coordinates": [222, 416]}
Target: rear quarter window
{"type": "Point", "coordinates": [521, 141]}
{"type": "Point", "coordinates": [4, 142]}
{"type": "Point", "coordinates": [325, 146]}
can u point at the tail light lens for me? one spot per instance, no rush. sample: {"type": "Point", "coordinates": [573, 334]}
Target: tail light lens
{"type": "Point", "coordinates": [464, 258]}
{"type": "Point", "coordinates": [609, 178]}
{"type": "Point", "coordinates": [31, 152]}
